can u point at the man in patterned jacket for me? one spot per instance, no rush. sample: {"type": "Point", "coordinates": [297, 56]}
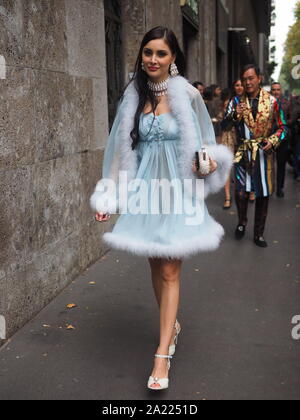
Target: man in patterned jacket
{"type": "Point", "coordinates": [254, 116]}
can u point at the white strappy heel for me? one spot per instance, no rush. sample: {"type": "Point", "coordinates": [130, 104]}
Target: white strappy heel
{"type": "Point", "coordinates": [163, 382]}
{"type": "Point", "coordinates": [172, 347]}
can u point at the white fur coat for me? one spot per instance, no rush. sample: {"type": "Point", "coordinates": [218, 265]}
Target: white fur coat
{"type": "Point", "coordinates": [183, 100]}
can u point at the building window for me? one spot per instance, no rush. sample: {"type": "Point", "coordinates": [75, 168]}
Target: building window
{"type": "Point", "coordinates": [190, 11]}
{"type": "Point", "coordinates": [193, 5]}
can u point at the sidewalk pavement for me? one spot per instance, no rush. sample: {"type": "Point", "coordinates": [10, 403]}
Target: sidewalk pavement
{"type": "Point", "coordinates": [236, 310]}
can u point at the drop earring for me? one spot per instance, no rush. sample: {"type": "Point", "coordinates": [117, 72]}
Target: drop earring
{"type": "Point", "coordinates": [174, 70]}
{"type": "Point", "coordinates": [143, 66]}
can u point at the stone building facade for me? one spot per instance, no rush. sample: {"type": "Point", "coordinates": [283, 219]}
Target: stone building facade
{"type": "Point", "coordinates": [212, 34]}
{"type": "Point", "coordinates": [63, 64]}
{"type": "Point", "coordinates": [53, 127]}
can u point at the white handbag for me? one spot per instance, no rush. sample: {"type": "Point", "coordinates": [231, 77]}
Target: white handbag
{"type": "Point", "coordinates": [203, 161]}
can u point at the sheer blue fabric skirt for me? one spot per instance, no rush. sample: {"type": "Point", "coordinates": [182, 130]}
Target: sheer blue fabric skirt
{"type": "Point", "coordinates": [162, 235]}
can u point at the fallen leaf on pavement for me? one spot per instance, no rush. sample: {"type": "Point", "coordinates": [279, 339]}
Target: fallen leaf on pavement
{"type": "Point", "coordinates": [92, 282]}
{"type": "Point", "coordinates": [70, 327]}
{"type": "Point", "coordinates": [46, 325]}
{"type": "Point", "coordinates": [71, 305]}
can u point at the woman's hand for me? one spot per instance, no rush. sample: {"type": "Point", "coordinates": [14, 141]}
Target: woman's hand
{"type": "Point", "coordinates": [102, 217]}
{"type": "Point", "coordinates": [213, 167]}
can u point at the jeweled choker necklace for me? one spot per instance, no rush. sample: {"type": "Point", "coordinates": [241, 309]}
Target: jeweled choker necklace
{"type": "Point", "coordinates": [159, 89]}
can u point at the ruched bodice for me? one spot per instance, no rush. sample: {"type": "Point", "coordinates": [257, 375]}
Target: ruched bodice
{"type": "Point", "coordinates": [158, 128]}
{"type": "Point", "coordinates": [157, 149]}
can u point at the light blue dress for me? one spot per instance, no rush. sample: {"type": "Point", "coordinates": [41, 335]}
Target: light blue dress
{"type": "Point", "coordinates": [162, 235]}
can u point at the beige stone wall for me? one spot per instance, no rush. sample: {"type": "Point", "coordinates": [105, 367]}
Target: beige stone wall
{"type": "Point", "coordinates": [208, 44]}
{"type": "Point", "coordinates": [165, 13]}
{"type": "Point", "coordinates": [133, 28]}
{"type": "Point", "coordinates": [53, 127]}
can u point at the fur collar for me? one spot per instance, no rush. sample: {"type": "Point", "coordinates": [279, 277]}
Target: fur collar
{"type": "Point", "coordinates": [181, 94]}
{"type": "Point", "coordinates": [180, 105]}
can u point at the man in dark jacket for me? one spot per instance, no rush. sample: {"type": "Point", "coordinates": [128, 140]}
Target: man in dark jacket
{"type": "Point", "coordinates": [282, 152]}
{"type": "Point", "coordinates": [295, 136]}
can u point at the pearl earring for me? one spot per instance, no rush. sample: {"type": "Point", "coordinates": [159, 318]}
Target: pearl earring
{"type": "Point", "coordinates": [143, 66]}
{"type": "Point", "coordinates": [174, 70]}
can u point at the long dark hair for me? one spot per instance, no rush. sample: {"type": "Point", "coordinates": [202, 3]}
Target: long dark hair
{"type": "Point", "coordinates": [208, 94]}
{"type": "Point", "coordinates": [225, 95]}
{"type": "Point", "coordinates": [213, 88]}
{"type": "Point", "coordinates": [140, 77]}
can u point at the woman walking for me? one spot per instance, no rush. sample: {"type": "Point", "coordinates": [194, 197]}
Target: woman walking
{"type": "Point", "coordinates": [161, 121]}
{"type": "Point", "coordinates": [228, 137]}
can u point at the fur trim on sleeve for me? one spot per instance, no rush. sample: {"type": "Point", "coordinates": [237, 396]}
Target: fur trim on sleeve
{"type": "Point", "coordinates": [224, 158]}
{"type": "Point", "coordinates": [104, 202]}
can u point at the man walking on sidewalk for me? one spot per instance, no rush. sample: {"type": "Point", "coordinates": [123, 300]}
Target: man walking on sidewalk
{"type": "Point", "coordinates": [282, 152]}
{"type": "Point", "coordinates": [255, 115]}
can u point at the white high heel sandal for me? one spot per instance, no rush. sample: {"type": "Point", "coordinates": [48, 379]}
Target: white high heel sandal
{"type": "Point", "coordinates": [172, 347]}
{"type": "Point", "coordinates": [163, 382]}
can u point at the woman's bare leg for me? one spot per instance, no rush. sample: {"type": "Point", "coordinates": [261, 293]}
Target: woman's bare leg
{"type": "Point", "coordinates": [155, 264]}
{"type": "Point", "coordinates": [167, 290]}
{"type": "Point", "coordinates": [227, 203]}
{"type": "Point", "coordinates": [227, 193]}
{"type": "Point", "coordinates": [227, 189]}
